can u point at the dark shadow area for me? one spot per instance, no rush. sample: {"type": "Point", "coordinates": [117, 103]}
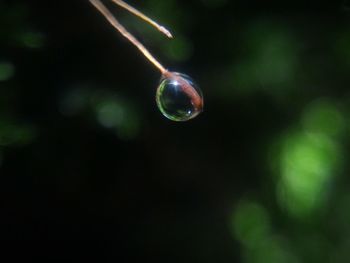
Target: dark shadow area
{"type": "Point", "coordinates": [90, 169]}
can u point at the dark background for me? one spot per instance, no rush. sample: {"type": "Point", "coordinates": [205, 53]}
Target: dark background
{"type": "Point", "coordinates": [90, 169]}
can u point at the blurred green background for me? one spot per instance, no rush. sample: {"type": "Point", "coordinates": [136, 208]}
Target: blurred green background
{"type": "Point", "coordinates": [89, 167]}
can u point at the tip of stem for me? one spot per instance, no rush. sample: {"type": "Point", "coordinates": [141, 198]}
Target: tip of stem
{"type": "Point", "coordinates": [165, 32]}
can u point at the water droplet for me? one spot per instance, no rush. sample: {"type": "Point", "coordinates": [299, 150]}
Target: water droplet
{"type": "Point", "coordinates": [178, 97]}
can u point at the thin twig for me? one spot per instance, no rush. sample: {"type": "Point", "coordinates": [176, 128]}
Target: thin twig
{"type": "Point", "coordinates": [144, 17]}
{"type": "Point", "coordinates": [114, 22]}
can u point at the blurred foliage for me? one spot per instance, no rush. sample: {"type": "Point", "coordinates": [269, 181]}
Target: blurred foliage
{"type": "Point", "coordinates": [260, 176]}
{"type": "Point", "coordinates": [6, 71]}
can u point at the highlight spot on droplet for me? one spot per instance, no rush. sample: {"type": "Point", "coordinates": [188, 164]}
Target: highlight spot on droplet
{"type": "Point", "coordinates": [178, 97]}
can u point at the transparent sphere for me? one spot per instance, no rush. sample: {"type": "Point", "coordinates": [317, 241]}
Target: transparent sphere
{"type": "Point", "coordinates": [178, 97]}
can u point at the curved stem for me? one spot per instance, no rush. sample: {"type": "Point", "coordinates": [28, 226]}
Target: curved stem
{"type": "Point", "coordinates": [114, 22]}
{"type": "Point", "coordinates": [144, 17]}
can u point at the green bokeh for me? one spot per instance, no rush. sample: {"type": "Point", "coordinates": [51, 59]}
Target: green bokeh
{"type": "Point", "coordinates": [262, 176]}
{"type": "Point", "coordinates": [7, 71]}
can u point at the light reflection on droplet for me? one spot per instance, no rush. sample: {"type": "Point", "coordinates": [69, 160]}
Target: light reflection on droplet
{"type": "Point", "coordinates": [178, 97]}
